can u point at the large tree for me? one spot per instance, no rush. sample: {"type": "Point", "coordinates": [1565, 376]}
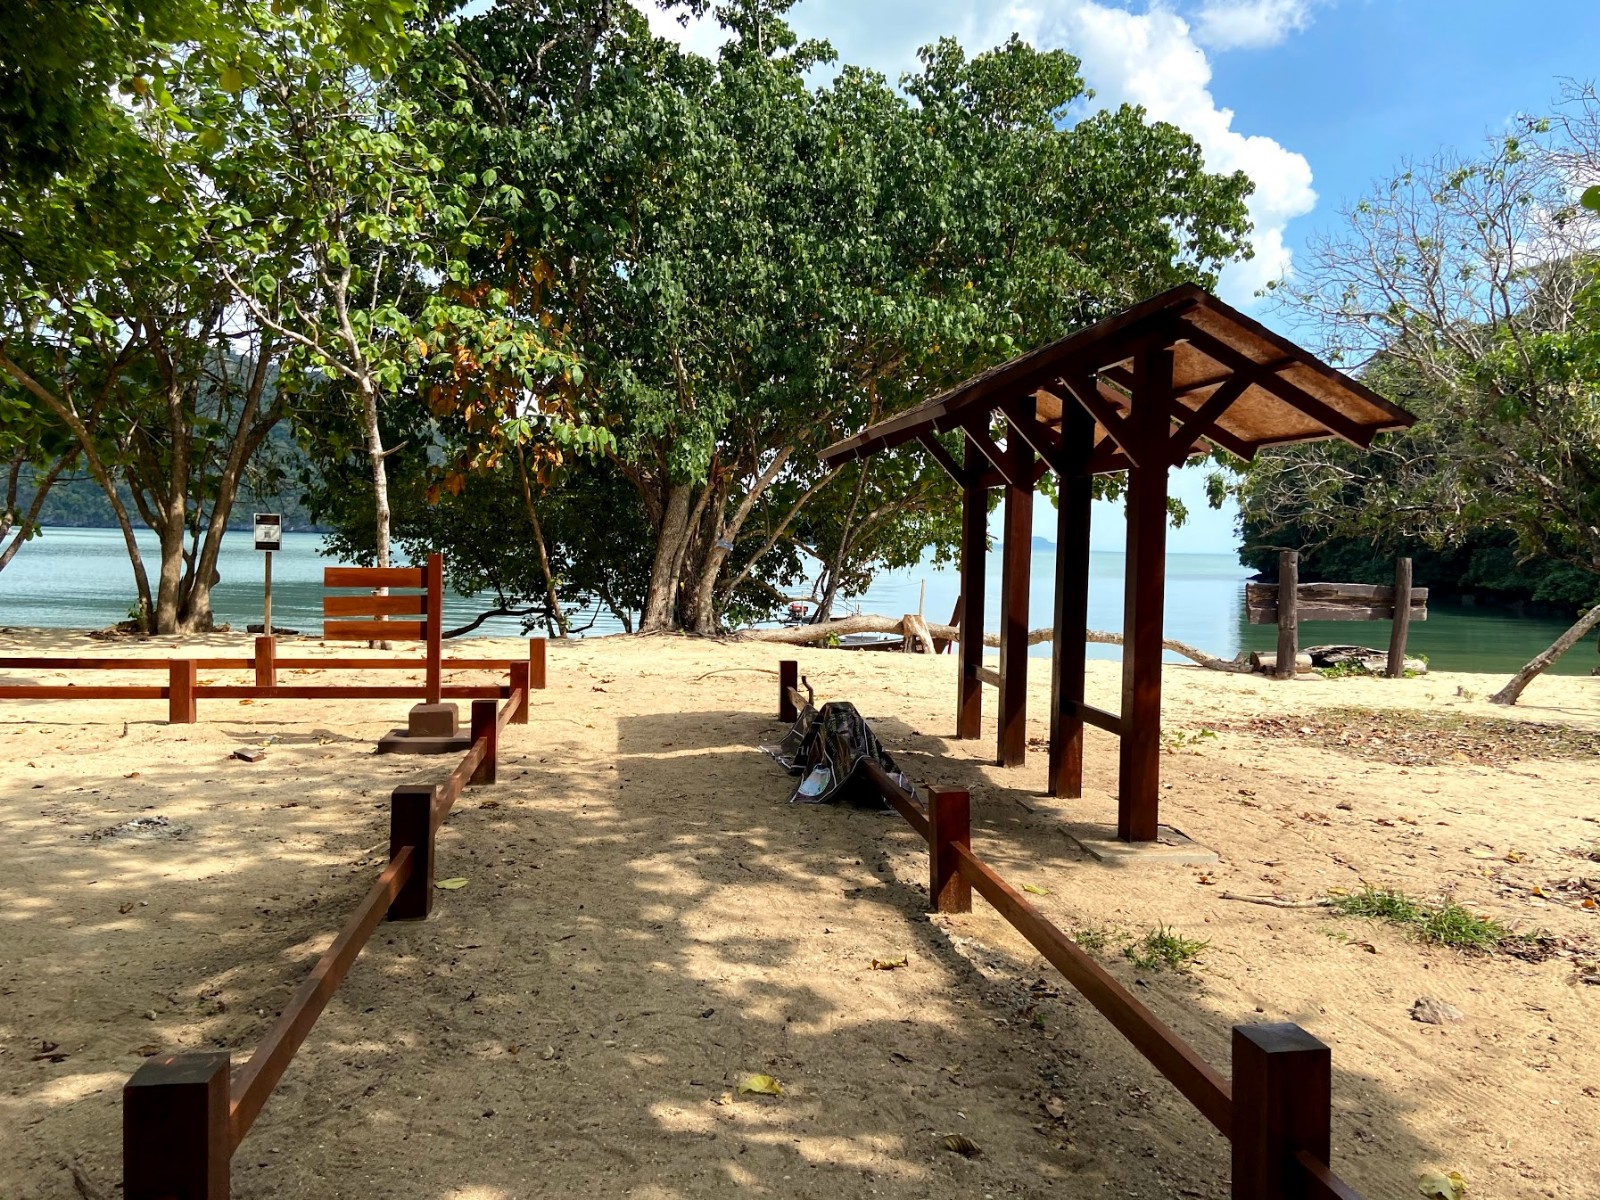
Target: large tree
{"type": "Point", "coordinates": [1467, 285]}
{"type": "Point", "coordinates": [750, 267]}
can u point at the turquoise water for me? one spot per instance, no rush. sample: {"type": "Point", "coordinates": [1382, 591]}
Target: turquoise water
{"type": "Point", "coordinates": [80, 578]}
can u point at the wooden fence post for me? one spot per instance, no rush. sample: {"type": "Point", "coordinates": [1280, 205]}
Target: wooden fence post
{"type": "Point", "coordinates": [411, 824]}
{"type": "Point", "coordinates": [949, 825]}
{"type": "Point", "coordinates": [1401, 628]}
{"type": "Point", "coordinates": [266, 661]}
{"type": "Point", "coordinates": [485, 726]}
{"type": "Point", "coordinates": [536, 663]}
{"type": "Point", "coordinates": [1282, 1103]}
{"type": "Point", "coordinates": [176, 1142]}
{"type": "Point", "coordinates": [519, 683]}
{"type": "Point", "coordinates": [183, 676]}
{"type": "Point", "coordinates": [788, 677]}
{"type": "Point", "coordinates": [433, 628]}
{"type": "Point", "coordinates": [1288, 613]}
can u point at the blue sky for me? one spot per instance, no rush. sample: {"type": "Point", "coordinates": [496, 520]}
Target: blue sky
{"type": "Point", "coordinates": [1314, 99]}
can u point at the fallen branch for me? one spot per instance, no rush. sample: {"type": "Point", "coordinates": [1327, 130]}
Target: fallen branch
{"type": "Point", "coordinates": [1274, 902]}
{"type": "Point", "coordinates": [867, 623]}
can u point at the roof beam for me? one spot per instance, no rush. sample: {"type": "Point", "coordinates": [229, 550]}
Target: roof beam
{"type": "Point", "coordinates": [1025, 425]}
{"type": "Point", "coordinates": [1087, 393]}
{"type": "Point", "coordinates": [998, 458]}
{"type": "Point", "coordinates": [1107, 457]}
{"type": "Point", "coordinates": [944, 458]}
{"type": "Point", "coordinates": [1331, 418]}
{"type": "Point", "coordinates": [1202, 421]}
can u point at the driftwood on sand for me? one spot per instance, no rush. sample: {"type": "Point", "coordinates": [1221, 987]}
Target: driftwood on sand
{"type": "Point", "coordinates": [866, 623]}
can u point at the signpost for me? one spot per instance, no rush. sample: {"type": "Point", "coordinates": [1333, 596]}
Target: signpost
{"type": "Point", "coordinates": [269, 537]}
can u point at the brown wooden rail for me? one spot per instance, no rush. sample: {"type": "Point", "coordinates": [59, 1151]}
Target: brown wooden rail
{"type": "Point", "coordinates": [184, 690]}
{"type": "Point", "coordinates": [183, 1117]}
{"type": "Point", "coordinates": [1276, 1111]}
{"type": "Point", "coordinates": [255, 1081]}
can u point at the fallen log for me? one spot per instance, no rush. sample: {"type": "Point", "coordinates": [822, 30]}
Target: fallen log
{"type": "Point", "coordinates": [1266, 661]}
{"type": "Point", "coordinates": [921, 638]}
{"type": "Point", "coordinates": [806, 635]}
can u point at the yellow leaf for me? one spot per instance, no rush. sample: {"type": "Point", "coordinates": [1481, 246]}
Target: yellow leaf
{"type": "Point", "coordinates": [1436, 1185]}
{"type": "Point", "coordinates": [451, 885]}
{"type": "Point", "coordinates": [888, 964]}
{"type": "Point", "coordinates": [1035, 889]}
{"type": "Point", "coordinates": [760, 1085]}
{"type": "Point", "coordinates": [232, 80]}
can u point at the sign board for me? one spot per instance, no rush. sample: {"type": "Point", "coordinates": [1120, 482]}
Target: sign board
{"type": "Point", "coordinates": [269, 531]}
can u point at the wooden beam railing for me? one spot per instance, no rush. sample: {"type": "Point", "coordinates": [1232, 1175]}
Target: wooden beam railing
{"type": "Point", "coordinates": [183, 1118]}
{"type": "Point", "coordinates": [1276, 1111]}
{"type": "Point", "coordinates": [183, 689]}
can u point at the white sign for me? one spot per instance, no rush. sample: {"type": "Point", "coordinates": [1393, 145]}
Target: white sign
{"type": "Point", "coordinates": [269, 531]}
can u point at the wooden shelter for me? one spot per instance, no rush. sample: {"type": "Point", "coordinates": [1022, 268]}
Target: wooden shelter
{"type": "Point", "coordinates": [1140, 392]}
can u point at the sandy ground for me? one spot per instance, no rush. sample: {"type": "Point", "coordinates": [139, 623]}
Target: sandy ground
{"type": "Point", "coordinates": [646, 920]}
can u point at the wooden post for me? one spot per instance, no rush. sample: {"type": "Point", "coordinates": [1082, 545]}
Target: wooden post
{"type": "Point", "coordinates": [1016, 561]}
{"type": "Point", "coordinates": [485, 726]}
{"type": "Point", "coordinates": [1401, 629]}
{"type": "Point", "coordinates": [536, 663]}
{"type": "Point", "coordinates": [411, 824]}
{"type": "Point", "coordinates": [266, 661]}
{"type": "Point", "coordinates": [949, 825]}
{"type": "Point", "coordinates": [519, 682]}
{"type": "Point", "coordinates": [176, 1143]}
{"type": "Point", "coordinates": [1282, 1103]}
{"type": "Point", "coordinates": [1288, 613]}
{"type": "Point", "coordinates": [1139, 762]}
{"type": "Point", "coordinates": [788, 677]}
{"type": "Point", "coordinates": [183, 676]}
{"type": "Point", "coordinates": [1075, 502]}
{"type": "Point", "coordinates": [974, 561]}
{"type": "Point", "coordinates": [266, 597]}
{"type": "Point", "coordinates": [434, 579]}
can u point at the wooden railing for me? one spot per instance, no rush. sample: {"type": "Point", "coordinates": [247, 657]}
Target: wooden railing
{"type": "Point", "coordinates": [183, 689]}
{"type": "Point", "coordinates": [182, 1115]}
{"type": "Point", "coordinates": [1277, 1109]}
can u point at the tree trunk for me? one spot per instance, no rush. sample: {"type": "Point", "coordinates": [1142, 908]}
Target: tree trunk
{"type": "Point", "coordinates": [377, 457]}
{"type": "Point", "coordinates": [29, 521]}
{"type": "Point", "coordinates": [60, 406]}
{"type": "Point", "coordinates": [1512, 690]}
{"type": "Point", "coordinates": [672, 539]}
{"type": "Point", "coordinates": [557, 616]}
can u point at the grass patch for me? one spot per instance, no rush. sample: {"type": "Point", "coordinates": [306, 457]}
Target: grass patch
{"type": "Point", "coordinates": [1093, 940]}
{"type": "Point", "coordinates": [1164, 950]}
{"type": "Point", "coordinates": [1174, 740]}
{"type": "Point", "coordinates": [1448, 924]}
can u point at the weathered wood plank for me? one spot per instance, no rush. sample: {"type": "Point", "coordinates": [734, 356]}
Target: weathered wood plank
{"type": "Point", "coordinates": [373, 577]}
{"type": "Point", "coordinates": [407, 604]}
{"type": "Point", "coordinates": [1267, 614]}
{"type": "Point", "coordinates": [373, 631]}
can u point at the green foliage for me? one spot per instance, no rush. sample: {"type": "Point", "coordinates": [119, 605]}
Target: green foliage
{"type": "Point", "coordinates": [1163, 949]}
{"type": "Point", "coordinates": [749, 267]}
{"type": "Point", "coordinates": [1092, 939]}
{"type": "Point", "coordinates": [1465, 290]}
{"type": "Point", "coordinates": [1448, 924]}
{"type": "Point", "coordinates": [1175, 740]}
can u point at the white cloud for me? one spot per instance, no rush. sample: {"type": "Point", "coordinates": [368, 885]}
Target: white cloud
{"type": "Point", "coordinates": [1250, 24]}
{"type": "Point", "coordinates": [1153, 58]}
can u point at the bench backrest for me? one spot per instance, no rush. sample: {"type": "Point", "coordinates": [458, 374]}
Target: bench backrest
{"type": "Point", "coordinates": [369, 618]}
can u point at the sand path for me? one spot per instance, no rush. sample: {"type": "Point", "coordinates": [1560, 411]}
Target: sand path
{"type": "Point", "coordinates": [646, 921]}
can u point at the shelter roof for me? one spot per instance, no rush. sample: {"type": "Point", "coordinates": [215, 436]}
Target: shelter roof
{"type": "Point", "coordinates": [1236, 384]}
